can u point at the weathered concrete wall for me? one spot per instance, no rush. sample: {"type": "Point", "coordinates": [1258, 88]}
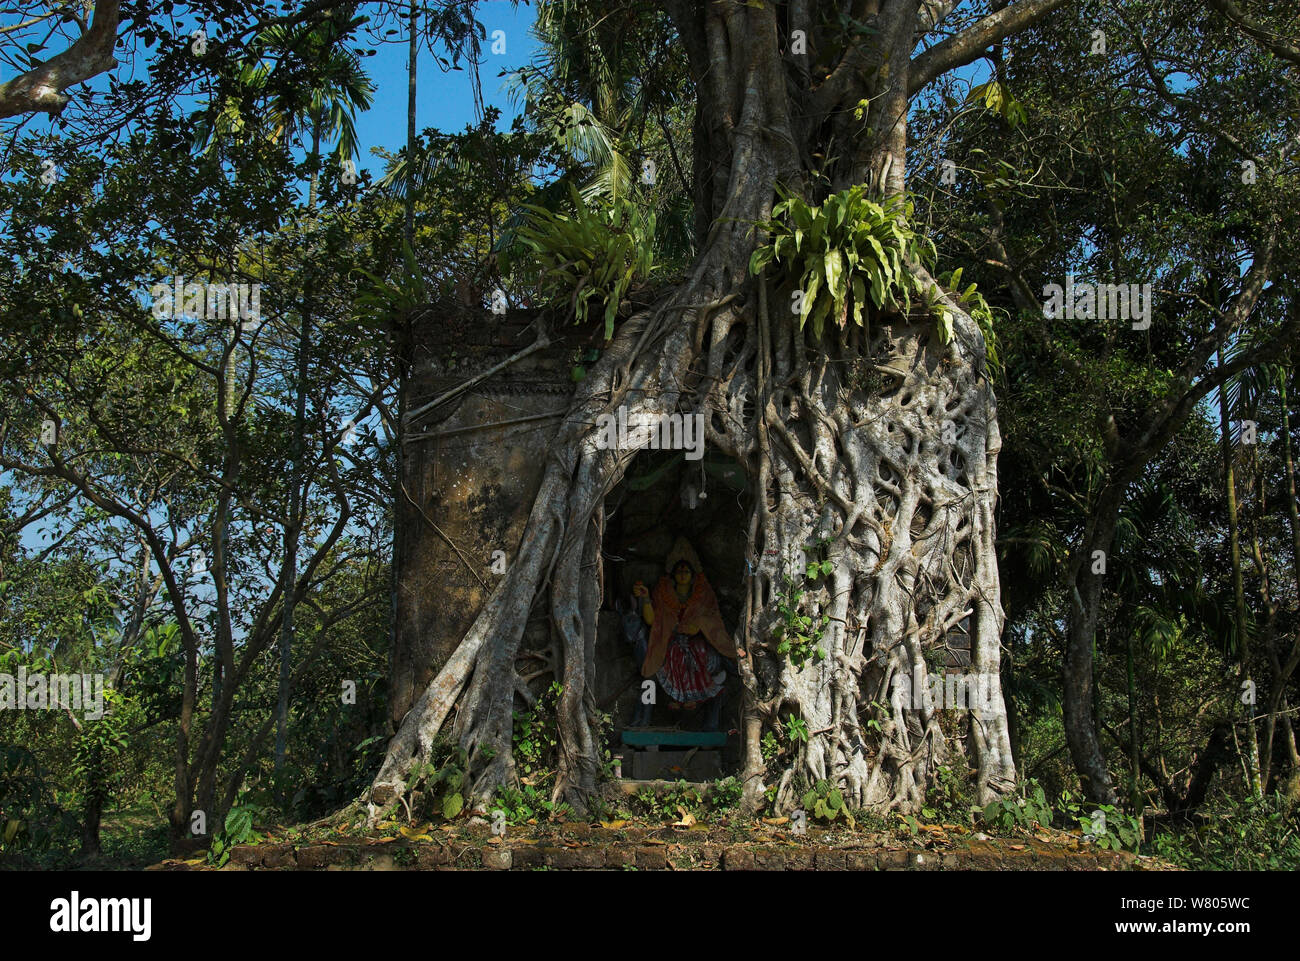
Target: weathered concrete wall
{"type": "Point", "coordinates": [470, 471]}
{"type": "Point", "coordinates": [468, 486]}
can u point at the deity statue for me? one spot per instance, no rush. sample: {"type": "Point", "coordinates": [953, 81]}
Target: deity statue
{"type": "Point", "coordinates": [687, 641]}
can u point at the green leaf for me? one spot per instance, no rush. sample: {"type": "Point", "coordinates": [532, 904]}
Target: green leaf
{"type": "Point", "coordinates": [834, 265]}
{"type": "Point", "coordinates": [809, 297]}
{"type": "Point", "coordinates": [452, 805]}
{"type": "Point", "coordinates": [945, 325]}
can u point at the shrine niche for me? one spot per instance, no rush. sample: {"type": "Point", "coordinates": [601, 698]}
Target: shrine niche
{"type": "Point", "coordinates": [666, 660]}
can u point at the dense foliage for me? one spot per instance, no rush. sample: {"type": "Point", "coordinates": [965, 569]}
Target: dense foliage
{"type": "Point", "coordinates": [170, 483]}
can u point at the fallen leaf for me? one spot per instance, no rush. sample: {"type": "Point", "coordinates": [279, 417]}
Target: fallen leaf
{"type": "Point", "coordinates": [612, 825]}
{"type": "Point", "coordinates": [776, 820]}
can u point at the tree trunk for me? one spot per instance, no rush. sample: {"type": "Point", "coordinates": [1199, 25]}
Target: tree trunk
{"type": "Point", "coordinates": [1278, 711]}
{"type": "Point", "coordinates": [298, 452]}
{"type": "Point", "coordinates": [1238, 597]}
{"type": "Point", "coordinates": [401, 671]}
{"type": "Point", "coordinates": [1134, 789]}
{"type": "Point", "coordinates": [94, 813]}
{"type": "Point", "coordinates": [862, 463]}
{"type": "Point", "coordinates": [1085, 582]}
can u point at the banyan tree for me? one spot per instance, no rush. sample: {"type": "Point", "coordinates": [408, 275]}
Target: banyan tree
{"type": "Point", "coordinates": [850, 385]}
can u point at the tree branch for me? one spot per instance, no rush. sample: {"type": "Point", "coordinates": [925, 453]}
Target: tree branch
{"type": "Point", "coordinates": [41, 88]}
{"type": "Point", "coordinates": [966, 46]}
{"type": "Point", "coordinates": [1255, 30]}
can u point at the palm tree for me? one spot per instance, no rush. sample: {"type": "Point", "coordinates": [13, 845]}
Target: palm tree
{"type": "Point", "coordinates": [1238, 591]}
{"type": "Point", "coordinates": [325, 107]}
{"type": "Point", "coordinates": [304, 81]}
{"type": "Point", "coordinates": [613, 113]}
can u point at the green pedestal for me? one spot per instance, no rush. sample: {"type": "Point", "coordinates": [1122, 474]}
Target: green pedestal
{"type": "Point", "coordinates": [649, 737]}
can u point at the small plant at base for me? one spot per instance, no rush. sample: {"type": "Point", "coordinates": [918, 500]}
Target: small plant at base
{"type": "Point", "coordinates": [536, 738]}
{"type": "Point", "coordinates": [526, 803]}
{"type": "Point", "coordinates": [669, 805]}
{"type": "Point", "coordinates": [825, 803]}
{"type": "Point", "coordinates": [1113, 830]}
{"type": "Point", "coordinates": [724, 795]}
{"type": "Point", "coordinates": [237, 829]}
{"type": "Point", "coordinates": [1029, 809]}
{"type": "Point", "coordinates": [441, 779]}
{"type": "Point", "coordinates": [945, 799]}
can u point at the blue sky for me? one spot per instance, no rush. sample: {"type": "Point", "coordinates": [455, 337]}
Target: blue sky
{"type": "Point", "coordinates": [444, 98]}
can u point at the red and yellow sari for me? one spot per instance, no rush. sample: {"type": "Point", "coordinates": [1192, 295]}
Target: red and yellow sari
{"type": "Point", "coordinates": [686, 640]}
